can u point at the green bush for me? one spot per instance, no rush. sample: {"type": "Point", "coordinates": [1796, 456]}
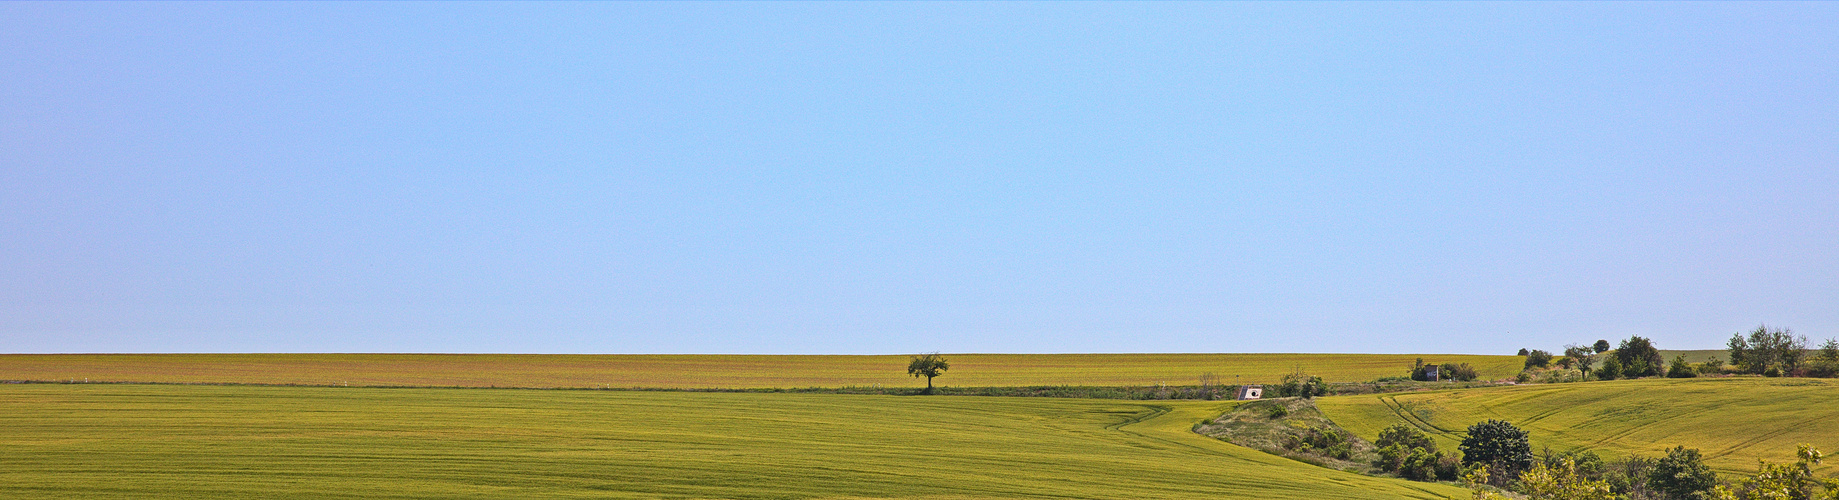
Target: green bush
{"type": "Point", "coordinates": [1611, 369]}
{"type": "Point", "coordinates": [1681, 475]}
{"type": "Point", "coordinates": [1407, 436]}
{"type": "Point", "coordinates": [1681, 369]}
{"type": "Point", "coordinates": [1461, 372]}
{"type": "Point", "coordinates": [1302, 385]}
{"type": "Point", "coordinates": [1419, 465]}
{"type": "Point", "coordinates": [1639, 358]}
{"type": "Point", "coordinates": [1538, 359]}
{"type": "Point", "coordinates": [1499, 445]}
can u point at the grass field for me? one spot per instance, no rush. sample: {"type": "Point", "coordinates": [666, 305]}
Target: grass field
{"type": "Point", "coordinates": [1734, 421]}
{"type": "Point", "coordinates": [715, 371]}
{"type": "Point", "coordinates": [190, 441]}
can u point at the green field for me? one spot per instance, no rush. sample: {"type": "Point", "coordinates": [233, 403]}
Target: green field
{"type": "Point", "coordinates": [716, 371]}
{"type": "Point", "coordinates": [190, 441]}
{"type": "Point", "coordinates": [1734, 421]}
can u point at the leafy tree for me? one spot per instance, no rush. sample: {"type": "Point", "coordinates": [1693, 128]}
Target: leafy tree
{"type": "Point", "coordinates": [1785, 482]}
{"type": "Point", "coordinates": [1299, 384]}
{"type": "Point", "coordinates": [1681, 369]}
{"type": "Point", "coordinates": [1767, 348]}
{"type": "Point", "coordinates": [1682, 475]}
{"type": "Point", "coordinates": [1742, 357]}
{"type": "Point", "coordinates": [1406, 436]}
{"type": "Point", "coordinates": [929, 366]}
{"type": "Point", "coordinates": [1610, 370]}
{"type": "Point", "coordinates": [1581, 356]}
{"type": "Point", "coordinates": [1538, 359]}
{"type": "Point", "coordinates": [1827, 363]}
{"type": "Point", "coordinates": [1522, 352]}
{"type": "Point", "coordinates": [1562, 482]}
{"type": "Point", "coordinates": [1601, 346]}
{"type": "Point", "coordinates": [1460, 371]}
{"type": "Point", "coordinates": [1498, 445]}
{"type": "Point", "coordinates": [1639, 358]}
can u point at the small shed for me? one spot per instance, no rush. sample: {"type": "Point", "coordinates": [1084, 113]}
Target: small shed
{"type": "Point", "coordinates": [1430, 373]}
{"type": "Point", "coordinates": [1250, 392]}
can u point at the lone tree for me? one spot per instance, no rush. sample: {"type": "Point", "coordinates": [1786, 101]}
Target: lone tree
{"type": "Point", "coordinates": [930, 365]}
{"type": "Point", "coordinates": [1601, 346]}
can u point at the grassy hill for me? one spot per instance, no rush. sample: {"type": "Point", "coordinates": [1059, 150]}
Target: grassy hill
{"type": "Point", "coordinates": [1734, 421]}
{"type": "Point", "coordinates": [715, 371]}
{"type": "Point", "coordinates": [190, 441]}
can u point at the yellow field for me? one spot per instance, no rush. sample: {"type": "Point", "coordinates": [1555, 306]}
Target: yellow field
{"type": "Point", "coordinates": [190, 441]}
{"type": "Point", "coordinates": [715, 371]}
{"type": "Point", "coordinates": [1734, 421]}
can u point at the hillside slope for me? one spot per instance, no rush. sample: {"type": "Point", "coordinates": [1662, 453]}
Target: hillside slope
{"type": "Point", "coordinates": [86, 441]}
{"type": "Point", "coordinates": [1734, 421]}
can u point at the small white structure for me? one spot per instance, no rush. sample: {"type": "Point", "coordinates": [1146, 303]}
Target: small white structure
{"type": "Point", "coordinates": [1250, 392]}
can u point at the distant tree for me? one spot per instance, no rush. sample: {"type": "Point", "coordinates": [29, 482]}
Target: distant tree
{"type": "Point", "coordinates": [1767, 348]}
{"type": "Point", "coordinates": [1304, 385]}
{"type": "Point", "coordinates": [1827, 363]}
{"type": "Point", "coordinates": [929, 366]}
{"type": "Point", "coordinates": [1611, 369]}
{"type": "Point", "coordinates": [1581, 356]}
{"type": "Point", "coordinates": [1639, 358]}
{"type": "Point", "coordinates": [1522, 352]}
{"type": "Point", "coordinates": [1682, 475]}
{"type": "Point", "coordinates": [1538, 359]}
{"type": "Point", "coordinates": [1681, 369]}
{"type": "Point", "coordinates": [1460, 372]}
{"type": "Point", "coordinates": [1601, 346]}
{"type": "Point", "coordinates": [1498, 445]}
{"type": "Point", "coordinates": [1741, 357]}
{"type": "Point", "coordinates": [1420, 371]}
{"type": "Point", "coordinates": [1406, 436]}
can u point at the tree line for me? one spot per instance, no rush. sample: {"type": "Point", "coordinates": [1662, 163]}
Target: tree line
{"type": "Point", "coordinates": [1763, 351]}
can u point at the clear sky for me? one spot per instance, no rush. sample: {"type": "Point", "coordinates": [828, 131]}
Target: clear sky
{"type": "Point", "coordinates": [903, 177]}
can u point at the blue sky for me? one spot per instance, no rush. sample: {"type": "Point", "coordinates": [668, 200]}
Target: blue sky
{"type": "Point", "coordinates": [904, 177]}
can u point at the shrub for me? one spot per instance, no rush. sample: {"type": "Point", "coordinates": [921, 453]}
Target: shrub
{"type": "Point", "coordinates": [1449, 467]}
{"type": "Point", "coordinates": [1461, 372]}
{"type": "Point", "coordinates": [1522, 352]}
{"type": "Point", "coordinates": [1558, 376]}
{"type": "Point", "coordinates": [1712, 366]}
{"type": "Point", "coordinates": [1538, 359]}
{"type": "Point", "coordinates": [1681, 475]}
{"type": "Point", "coordinates": [1639, 358]}
{"type": "Point", "coordinates": [1795, 481]}
{"type": "Point", "coordinates": [1302, 385]}
{"type": "Point", "coordinates": [1498, 445]}
{"type": "Point", "coordinates": [1680, 369]}
{"type": "Point", "coordinates": [1420, 465]}
{"type": "Point", "coordinates": [1601, 346]}
{"type": "Point", "coordinates": [1406, 436]}
{"type": "Point", "coordinates": [1611, 369]}
{"type": "Point", "coordinates": [1563, 482]}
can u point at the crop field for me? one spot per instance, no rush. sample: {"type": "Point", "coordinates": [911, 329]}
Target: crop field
{"type": "Point", "coordinates": [715, 371]}
{"type": "Point", "coordinates": [201, 441]}
{"type": "Point", "coordinates": [1733, 421]}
